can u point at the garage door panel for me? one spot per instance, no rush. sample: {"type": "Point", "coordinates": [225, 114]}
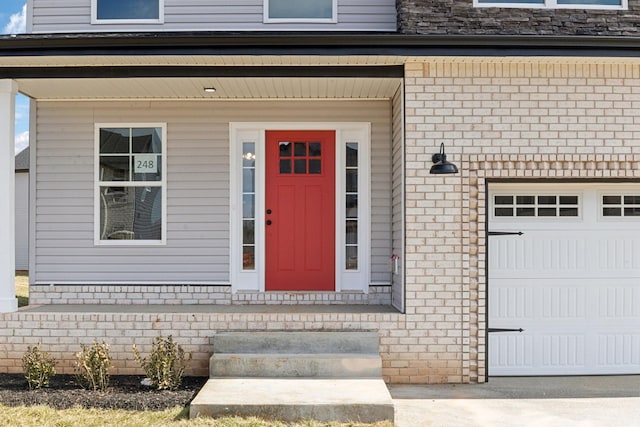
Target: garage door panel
{"type": "Point", "coordinates": [537, 353]}
{"type": "Point", "coordinates": [565, 350]}
{"type": "Point", "coordinates": [516, 300]}
{"type": "Point", "coordinates": [511, 302]}
{"type": "Point", "coordinates": [620, 300]}
{"type": "Point", "coordinates": [545, 253]}
{"type": "Point", "coordinates": [618, 255]}
{"type": "Point", "coordinates": [511, 350]}
{"type": "Point", "coordinates": [619, 351]}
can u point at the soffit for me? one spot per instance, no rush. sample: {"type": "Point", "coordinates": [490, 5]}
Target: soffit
{"type": "Point", "coordinates": [226, 88]}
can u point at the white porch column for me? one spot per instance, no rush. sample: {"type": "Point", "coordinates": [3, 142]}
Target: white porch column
{"type": "Point", "coordinates": [8, 300]}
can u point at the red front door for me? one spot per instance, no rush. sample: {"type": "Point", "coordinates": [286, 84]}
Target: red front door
{"type": "Point", "coordinates": [300, 211]}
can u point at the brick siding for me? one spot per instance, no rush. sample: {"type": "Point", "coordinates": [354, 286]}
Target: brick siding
{"type": "Point", "coordinates": [498, 120]}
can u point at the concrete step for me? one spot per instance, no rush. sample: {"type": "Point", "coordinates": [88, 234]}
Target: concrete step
{"type": "Point", "coordinates": [292, 342]}
{"type": "Point", "coordinates": [281, 365]}
{"type": "Point", "coordinates": [294, 399]}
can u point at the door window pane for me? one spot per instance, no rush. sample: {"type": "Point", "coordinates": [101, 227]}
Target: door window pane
{"type": "Point", "coordinates": [285, 149]}
{"type": "Point", "coordinates": [352, 180]}
{"type": "Point", "coordinates": [352, 206]}
{"type": "Point", "coordinates": [248, 232]}
{"type": "Point", "coordinates": [248, 206]}
{"type": "Point", "coordinates": [352, 258]}
{"type": "Point", "coordinates": [352, 232]}
{"type": "Point", "coordinates": [248, 180]}
{"type": "Point", "coordinates": [285, 166]}
{"type": "Point", "coordinates": [315, 149]}
{"type": "Point", "coordinates": [315, 166]}
{"type": "Point", "coordinates": [248, 257]}
{"type": "Point", "coordinates": [352, 155]}
{"type": "Point", "coordinates": [300, 149]}
{"type": "Point", "coordinates": [300, 166]}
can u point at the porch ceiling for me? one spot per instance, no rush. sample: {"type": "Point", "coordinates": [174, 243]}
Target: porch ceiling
{"type": "Point", "coordinates": [226, 88]}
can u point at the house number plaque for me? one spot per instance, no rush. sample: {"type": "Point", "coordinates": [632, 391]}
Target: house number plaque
{"type": "Point", "coordinates": [145, 163]}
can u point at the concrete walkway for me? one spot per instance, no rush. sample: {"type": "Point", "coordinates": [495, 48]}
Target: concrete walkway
{"type": "Point", "coordinates": [541, 401]}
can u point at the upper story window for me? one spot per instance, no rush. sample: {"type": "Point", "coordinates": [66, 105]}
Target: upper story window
{"type": "Point", "coordinates": [554, 4]}
{"type": "Point", "coordinates": [300, 11]}
{"type": "Point", "coordinates": [127, 11]}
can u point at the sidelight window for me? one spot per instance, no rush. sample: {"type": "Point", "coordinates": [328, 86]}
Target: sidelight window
{"type": "Point", "coordinates": [351, 203]}
{"type": "Point", "coordinates": [248, 206]}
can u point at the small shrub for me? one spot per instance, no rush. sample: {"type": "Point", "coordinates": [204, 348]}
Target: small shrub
{"type": "Point", "coordinates": [166, 363]}
{"type": "Point", "coordinates": [92, 366]}
{"type": "Point", "coordinates": [38, 367]}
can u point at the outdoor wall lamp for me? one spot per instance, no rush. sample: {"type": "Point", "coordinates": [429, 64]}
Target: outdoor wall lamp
{"type": "Point", "coordinates": [440, 163]}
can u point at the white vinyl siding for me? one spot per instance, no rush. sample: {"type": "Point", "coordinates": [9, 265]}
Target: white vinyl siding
{"type": "Point", "coordinates": [22, 220]}
{"type": "Point", "coordinates": [397, 193]}
{"type": "Point", "coordinates": [63, 16]}
{"type": "Point", "coordinates": [197, 248]}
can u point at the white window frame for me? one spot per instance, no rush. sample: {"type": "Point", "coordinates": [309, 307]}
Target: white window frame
{"type": "Point", "coordinates": [345, 280]}
{"type": "Point", "coordinates": [96, 20]}
{"type": "Point", "coordinates": [552, 4]}
{"type": "Point", "coordinates": [97, 184]}
{"type": "Point", "coordinates": [333, 20]}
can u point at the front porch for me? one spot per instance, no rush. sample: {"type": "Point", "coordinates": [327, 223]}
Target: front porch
{"type": "Point", "coordinates": [63, 328]}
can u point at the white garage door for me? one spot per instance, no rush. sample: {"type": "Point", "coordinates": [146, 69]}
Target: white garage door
{"type": "Point", "coordinates": [571, 281]}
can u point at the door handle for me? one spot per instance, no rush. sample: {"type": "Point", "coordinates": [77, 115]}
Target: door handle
{"type": "Point", "coordinates": [268, 222]}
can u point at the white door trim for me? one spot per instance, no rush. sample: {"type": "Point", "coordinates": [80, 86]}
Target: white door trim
{"type": "Point", "coordinates": [346, 132]}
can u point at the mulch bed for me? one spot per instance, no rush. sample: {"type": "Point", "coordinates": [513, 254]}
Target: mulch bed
{"type": "Point", "coordinates": [124, 392]}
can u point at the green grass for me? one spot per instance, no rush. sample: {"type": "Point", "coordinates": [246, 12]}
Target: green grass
{"type": "Point", "coordinates": [22, 288]}
{"type": "Point", "coordinates": [44, 416]}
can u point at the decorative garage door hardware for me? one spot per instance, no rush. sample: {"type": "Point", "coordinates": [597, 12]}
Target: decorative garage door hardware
{"type": "Point", "coordinates": [505, 233]}
{"type": "Point", "coordinates": [490, 330]}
